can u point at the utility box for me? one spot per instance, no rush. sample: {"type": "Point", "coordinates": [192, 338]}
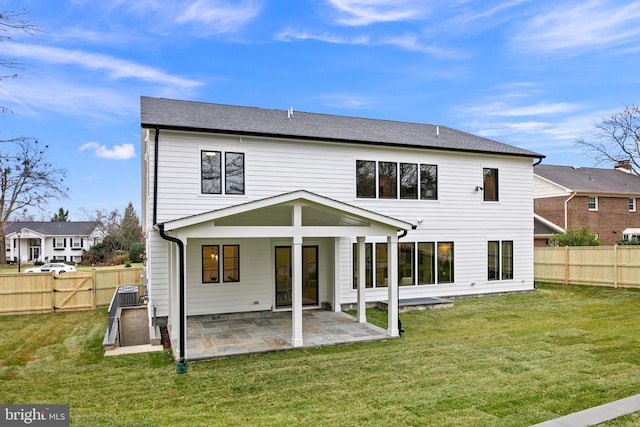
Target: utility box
{"type": "Point", "coordinates": [127, 296]}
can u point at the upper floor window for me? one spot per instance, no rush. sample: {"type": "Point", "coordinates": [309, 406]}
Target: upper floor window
{"type": "Point", "coordinates": [213, 180]}
{"type": "Point", "coordinates": [385, 180]}
{"type": "Point", "coordinates": [59, 243]}
{"type": "Point", "coordinates": [76, 242]}
{"type": "Point", "coordinates": [490, 184]}
{"type": "Point", "coordinates": [593, 203]}
{"type": "Point", "coordinates": [429, 182]}
{"type": "Point", "coordinates": [365, 179]}
{"type": "Point", "coordinates": [632, 204]}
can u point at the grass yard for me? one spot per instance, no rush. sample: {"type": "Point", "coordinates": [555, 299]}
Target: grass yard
{"type": "Point", "coordinates": [512, 360]}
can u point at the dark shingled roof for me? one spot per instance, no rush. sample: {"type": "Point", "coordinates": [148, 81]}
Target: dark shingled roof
{"type": "Point", "coordinates": [590, 179]}
{"type": "Point", "coordinates": [540, 228]}
{"type": "Point", "coordinates": [218, 118]}
{"type": "Point", "coordinates": [48, 228]}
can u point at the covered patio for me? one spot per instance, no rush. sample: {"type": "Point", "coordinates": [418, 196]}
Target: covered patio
{"type": "Point", "coordinates": [294, 221]}
{"type": "Point", "coordinates": [213, 337]}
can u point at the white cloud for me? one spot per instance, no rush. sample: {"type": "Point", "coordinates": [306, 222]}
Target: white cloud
{"type": "Point", "coordinates": [289, 35]}
{"type": "Point", "coordinates": [577, 26]}
{"type": "Point", "coordinates": [346, 101]}
{"type": "Point", "coordinates": [61, 96]}
{"type": "Point", "coordinates": [116, 68]}
{"type": "Point", "coordinates": [411, 42]}
{"type": "Point", "coordinates": [117, 152]}
{"type": "Point", "coordinates": [221, 16]}
{"type": "Point", "coordinates": [538, 109]}
{"type": "Point", "coordinates": [365, 12]}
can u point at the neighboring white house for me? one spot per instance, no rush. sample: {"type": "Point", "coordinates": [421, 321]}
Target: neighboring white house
{"type": "Point", "coordinates": [248, 209]}
{"type": "Point", "coordinates": [46, 241]}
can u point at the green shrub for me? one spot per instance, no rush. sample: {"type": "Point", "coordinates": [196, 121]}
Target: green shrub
{"type": "Point", "coordinates": [575, 237]}
{"type": "Point", "coordinates": [634, 241]}
{"type": "Point", "coordinates": [136, 251]}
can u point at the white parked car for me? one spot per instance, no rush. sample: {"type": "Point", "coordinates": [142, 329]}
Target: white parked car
{"type": "Point", "coordinates": [57, 267]}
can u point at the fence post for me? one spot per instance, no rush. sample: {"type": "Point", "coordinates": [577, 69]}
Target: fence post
{"type": "Point", "coordinates": [567, 271]}
{"type": "Point", "coordinates": [52, 286]}
{"type": "Point", "coordinates": [93, 284]}
{"type": "Point", "coordinates": [615, 266]}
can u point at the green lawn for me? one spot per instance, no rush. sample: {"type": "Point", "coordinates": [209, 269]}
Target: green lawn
{"type": "Point", "coordinates": [511, 360]}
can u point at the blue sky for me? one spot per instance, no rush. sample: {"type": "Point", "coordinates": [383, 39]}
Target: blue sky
{"type": "Point", "coordinates": [535, 74]}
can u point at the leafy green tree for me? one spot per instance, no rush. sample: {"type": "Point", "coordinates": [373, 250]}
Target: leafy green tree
{"type": "Point", "coordinates": [130, 228]}
{"type": "Point", "coordinates": [575, 237]}
{"type": "Point", "coordinates": [136, 252]}
{"type": "Point", "coordinates": [121, 230]}
{"type": "Point", "coordinates": [61, 216]}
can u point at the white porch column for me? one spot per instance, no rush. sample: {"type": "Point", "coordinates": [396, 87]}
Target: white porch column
{"type": "Point", "coordinates": [296, 293]}
{"type": "Point", "coordinates": [362, 281]}
{"type": "Point", "coordinates": [392, 300]}
{"type": "Point", "coordinates": [296, 280]}
{"type": "Point", "coordinates": [43, 251]}
{"type": "Point", "coordinates": [337, 278]}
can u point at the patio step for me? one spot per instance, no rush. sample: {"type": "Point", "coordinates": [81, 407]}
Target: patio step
{"type": "Point", "coordinates": [412, 304]}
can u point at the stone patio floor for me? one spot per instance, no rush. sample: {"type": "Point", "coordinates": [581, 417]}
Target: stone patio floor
{"type": "Point", "coordinates": [209, 337]}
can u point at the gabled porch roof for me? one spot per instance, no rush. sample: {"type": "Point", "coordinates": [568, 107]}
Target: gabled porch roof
{"type": "Point", "coordinates": [275, 216]}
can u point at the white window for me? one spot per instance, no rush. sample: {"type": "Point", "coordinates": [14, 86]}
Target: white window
{"type": "Point", "coordinates": [58, 242]}
{"type": "Point", "coordinates": [632, 204]}
{"type": "Point", "coordinates": [593, 203]}
{"type": "Point", "coordinates": [76, 242]}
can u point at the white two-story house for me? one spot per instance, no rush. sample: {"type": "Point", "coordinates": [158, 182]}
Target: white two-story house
{"type": "Point", "coordinates": [47, 241]}
{"type": "Point", "coordinates": [249, 209]}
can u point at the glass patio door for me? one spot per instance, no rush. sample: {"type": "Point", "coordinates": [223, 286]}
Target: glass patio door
{"type": "Point", "coordinates": [283, 272]}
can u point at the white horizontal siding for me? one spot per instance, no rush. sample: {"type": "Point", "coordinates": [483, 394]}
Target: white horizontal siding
{"type": "Point", "coordinates": [543, 189]}
{"type": "Point", "coordinates": [274, 167]}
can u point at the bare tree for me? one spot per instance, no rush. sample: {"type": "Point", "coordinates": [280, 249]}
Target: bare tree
{"type": "Point", "coordinates": [12, 22]}
{"type": "Point", "coordinates": [27, 179]}
{"type": "Point", "coordinates": [617, 138]}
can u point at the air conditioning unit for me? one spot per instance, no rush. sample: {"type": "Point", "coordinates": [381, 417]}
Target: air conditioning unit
{"type": "Point", "coordinates": [127, 296]}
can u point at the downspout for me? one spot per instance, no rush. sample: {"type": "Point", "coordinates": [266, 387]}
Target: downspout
{"type": "Point", "coordinates": [181, 366]}
{"type": "Point", "coordinates": [566, 210]}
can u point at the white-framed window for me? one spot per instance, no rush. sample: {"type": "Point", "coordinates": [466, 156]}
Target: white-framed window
{"type": "Point", "coordinates": [632, 204]}
{"type": "Point", "coordinates": [76, 242]}
{"type": "Point", "coordinates": [59, 243]}
{"type": "Point", "coordinates": [593, 203]}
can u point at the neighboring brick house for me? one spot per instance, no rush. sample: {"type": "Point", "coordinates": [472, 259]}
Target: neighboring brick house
{"type": "Point", "coordinates": [605, 200]}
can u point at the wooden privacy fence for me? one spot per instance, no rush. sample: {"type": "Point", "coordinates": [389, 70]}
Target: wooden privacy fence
{"type": "Point", "coordinates": [616, 266]}
{"type": "Point", "coordinates": [22, 293]}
